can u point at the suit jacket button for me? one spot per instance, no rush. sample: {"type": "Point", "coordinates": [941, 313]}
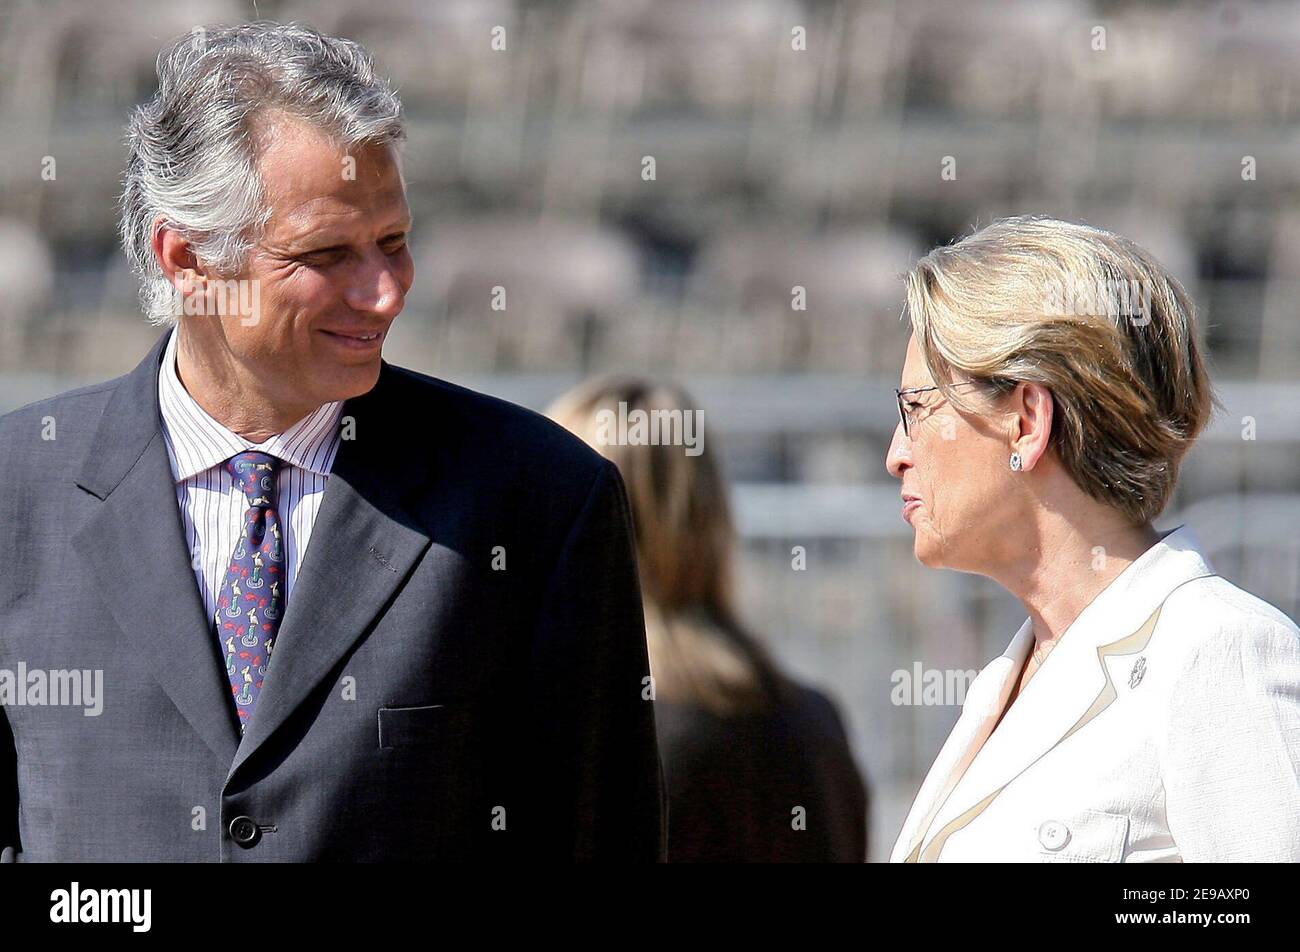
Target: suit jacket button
{"type": "Point", "coordinates": [1053, 834]}
{"type": "Point", "coordinates": [244, 831]}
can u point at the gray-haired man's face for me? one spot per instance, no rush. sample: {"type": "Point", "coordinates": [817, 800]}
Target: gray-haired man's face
{"type": "Point", "coordinates": [332, 267]}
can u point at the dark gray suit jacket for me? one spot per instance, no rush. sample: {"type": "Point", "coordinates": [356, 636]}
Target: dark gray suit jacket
{"type": "Point", "coordinates": [420, 704]}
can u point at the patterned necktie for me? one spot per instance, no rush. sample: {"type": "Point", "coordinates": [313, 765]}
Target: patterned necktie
{"type": "Point", "coordinates": [251, 601]}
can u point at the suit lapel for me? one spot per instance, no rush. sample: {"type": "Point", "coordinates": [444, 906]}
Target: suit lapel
{"type": "Point", "coordinates": [1051, 705]}
{"type": "Point", "coordinates": [135, 546]}
{"type": "Point", "coordinates": [364, 543]}
{"type": "Point", "coordinates": [985, 700]}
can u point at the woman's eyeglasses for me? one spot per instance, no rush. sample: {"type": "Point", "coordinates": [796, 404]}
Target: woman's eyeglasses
{"type": "Point", "coordinates": [904, 414]}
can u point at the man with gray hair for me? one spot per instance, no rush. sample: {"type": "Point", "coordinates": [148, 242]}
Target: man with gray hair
{"type": "Point", "coordinates": [455, 666]}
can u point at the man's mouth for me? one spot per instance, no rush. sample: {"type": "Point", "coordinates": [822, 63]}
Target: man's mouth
{"type": "Point", "coordinates": [356, 340]}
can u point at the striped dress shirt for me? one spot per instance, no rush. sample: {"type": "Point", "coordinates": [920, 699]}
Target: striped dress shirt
{"type": "Point", "coordinates": [212, 507]}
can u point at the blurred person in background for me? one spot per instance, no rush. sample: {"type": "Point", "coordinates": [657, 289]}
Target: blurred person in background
{"type": "Point", "coordinates": [1147, 709]}
{"type": "Point", "coordinates": [757, 766]}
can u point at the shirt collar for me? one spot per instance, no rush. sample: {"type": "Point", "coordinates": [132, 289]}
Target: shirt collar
{"type": "Point", "coordinates": [196, 442]}
{"type": "Point", "coordinates": [1131, 596]}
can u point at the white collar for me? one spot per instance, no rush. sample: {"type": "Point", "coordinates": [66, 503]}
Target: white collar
{"type": "Point", "coordinates": [1131, 596]}
{"type": "Point", "coordinates": [196, 442]}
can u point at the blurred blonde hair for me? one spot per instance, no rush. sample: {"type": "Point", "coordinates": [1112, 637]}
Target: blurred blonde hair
{"type": "Point", "coordinates": [1125, 369]}
{"type": "Point", "coordinates": [699, 651]}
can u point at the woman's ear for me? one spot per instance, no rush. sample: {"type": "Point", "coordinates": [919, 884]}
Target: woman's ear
{"type": "Point", "coordinates": [1031, 427]}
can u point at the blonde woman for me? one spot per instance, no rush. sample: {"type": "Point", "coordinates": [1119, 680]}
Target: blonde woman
{"type": "Point", "coordinates": [1148, 710]}
{"type": "Point", "coordinates": [757, 767]}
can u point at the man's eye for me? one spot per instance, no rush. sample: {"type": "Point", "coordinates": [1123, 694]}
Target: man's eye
{"type": "Point", "coordinates": [911, 405]}
{"type": "Point", "coordinates": [394, 246]}
{"type": "Point", "coordinates": [325, 256]}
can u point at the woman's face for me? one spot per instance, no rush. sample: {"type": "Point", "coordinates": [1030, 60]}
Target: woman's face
{"type": "Point", "coordinates": [955, 473]}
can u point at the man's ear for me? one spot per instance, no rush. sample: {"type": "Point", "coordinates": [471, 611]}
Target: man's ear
{"type": "Point", "coordinates": [1031, 426]}
{"type": "Point", "coordinates": [180, 266]}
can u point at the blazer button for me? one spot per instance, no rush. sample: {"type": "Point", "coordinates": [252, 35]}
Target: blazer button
{"type": "Point", "coordinates": [244, 831]}
{"type": "Point", "coordinates": [1053, 834]}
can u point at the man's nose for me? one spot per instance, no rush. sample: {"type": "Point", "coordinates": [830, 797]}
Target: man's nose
{"type": "Point", "coordinates": [378, 286]}
{"type": "Point", "coordinates": [899, 456]}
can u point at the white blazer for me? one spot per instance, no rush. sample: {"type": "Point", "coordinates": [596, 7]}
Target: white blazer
{"type": "Point", "coordinates": [1164, 726]}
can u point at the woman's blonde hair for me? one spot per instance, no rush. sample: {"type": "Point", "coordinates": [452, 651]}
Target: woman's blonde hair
{"type": "Point", "coordinates": [699, 651]}
{"type": "Point", "coordinates": [1093, 318]}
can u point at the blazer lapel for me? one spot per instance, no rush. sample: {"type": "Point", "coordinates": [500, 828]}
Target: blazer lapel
{"type": "Point", "coordinates": [1051, 704]}
{"type": "Point", "coordinates": [985, 699]}
{"type": "Point", "coordinates": [364, 543]}
{"type": "Point", "coordinates": [135, 547]}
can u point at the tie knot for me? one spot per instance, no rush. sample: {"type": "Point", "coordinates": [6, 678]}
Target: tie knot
{"type": "Point", "coordinates": [254, 473]}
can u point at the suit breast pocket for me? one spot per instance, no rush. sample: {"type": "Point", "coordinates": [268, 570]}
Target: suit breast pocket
{"type": "Point", "coordinates": [427, 726]}
{"type": "Point", "coordinates": [1086, 836]}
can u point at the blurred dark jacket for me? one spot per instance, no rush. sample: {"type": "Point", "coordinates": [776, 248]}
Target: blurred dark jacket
{"type": "Point", "coordinates": [733, 784]}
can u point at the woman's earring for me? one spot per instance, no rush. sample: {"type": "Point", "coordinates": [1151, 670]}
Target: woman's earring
{"type": "Point", "coordinates": [1016, 464]}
